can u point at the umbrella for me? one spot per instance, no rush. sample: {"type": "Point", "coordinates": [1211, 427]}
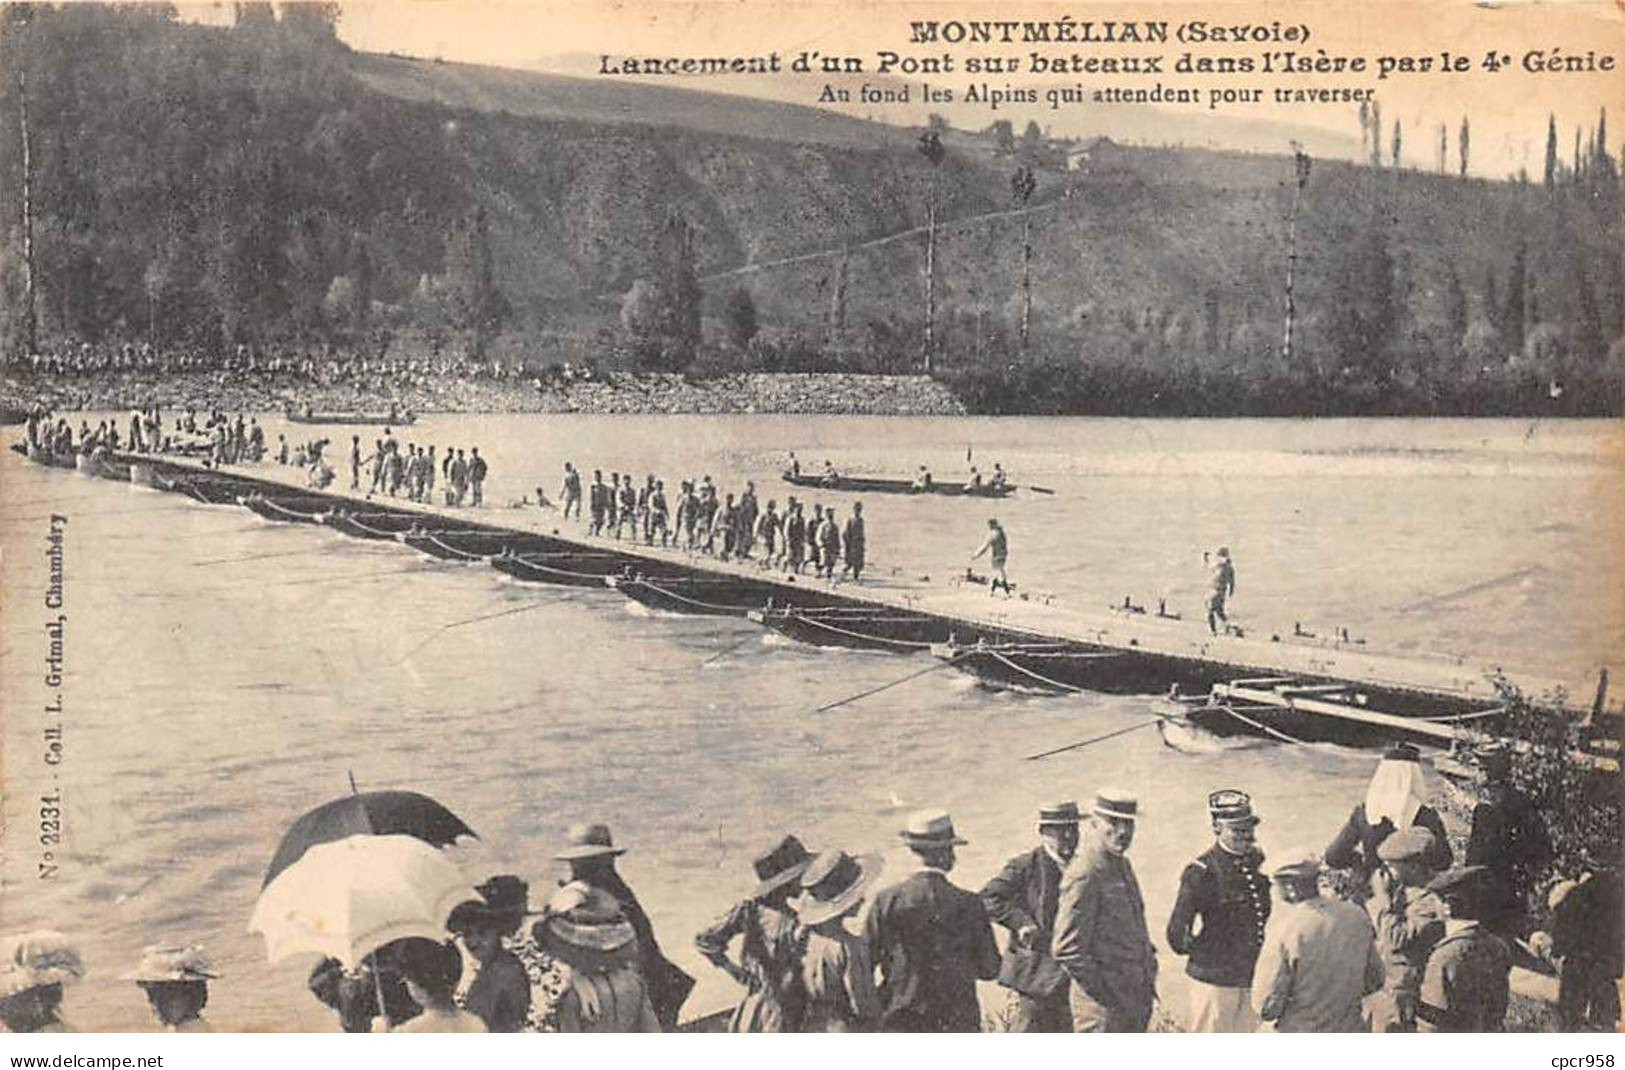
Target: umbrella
{"type": "Point", "coordinates": [375, 813]}
{"type": "Point", "coordinates": [348, 898]}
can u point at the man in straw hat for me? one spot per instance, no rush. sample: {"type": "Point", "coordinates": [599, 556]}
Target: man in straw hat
{"type": "Point", "coordinates": [769, 951]}
{"type": "Point", "coordinates": [1100, 935]}
{"type": "Point", "coordinates": [1319, 958]}
{"type": "Point", "coordinates": [836, 967]}
{"type": "Point", "coordinates": [1023, 898]}
{"type": "Point", "coordinates": [176, 981]}
{"type": "Point", "coordinates": [1396, 799]}
{"type": "Point", "coordinates": [1409, 921]}
{"type": "Point", "coordinates": [34, 967]}
{"type": "Point", "coordinates": [930, 939]}
{"type": "Point", "coordinates": [1219, 917]}
{"type": "Point", "coordinates": [591, 853]}
{"type": "Point", "coordinates": [1465, 986]}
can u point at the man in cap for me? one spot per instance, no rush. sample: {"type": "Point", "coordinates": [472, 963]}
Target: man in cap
{"type": "Point", "coordinates": [1023, 898]}
{"type": "Point", "coordinates": [1100, 934]}
{"type": "Point", "coordinates": [1409, 921]}
{"type": "Point", "coordinates": [1396, 799]}
{"type": "Point", "coordinates": [769, 964]}
{"type": "Point", "coordinates": [176, 983]}
{"type": "Point", "coordinates": [591, 854]}
{"type": "Point", "coordinates": [1319, 957]}
{"type": "Point", "coordinates": [931, 939]}
{"type": "Point", "coordinates": [997, 547]}
{"type": "Point", "coordinates": [34, 967]}
{"type": "Point", "coordinates": [1219, 917]}
{"type": "Point", "coordinates": [1464, 988]}
{"type": "Point", "coordinates": [1508, 839]}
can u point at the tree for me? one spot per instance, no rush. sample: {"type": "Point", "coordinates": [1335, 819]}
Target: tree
{"type": "Point", "coordinates": [930, 146]}
{"type": "Point", "coordinates": [1396, 145]}
{"type": "Point", "coordinates": [1004, 136]}
{"type": "Point", "coordinates": [1022, 185]}
{"type": "Point", "coordinates": [1444, 147]}
{"type": "Point", "coordinates": [1512, 314]}
{"type": "Point", "coordinates": [1455, 305]}
{"type": "Point", "coordinates": [1551, 153]}
{"type": "Point", "coordinates": [478, 304]}
{"type": "Point", "coordinates": [1364, 320]}
{"type": "Point", "coordinates": [1376, 134]}
{"type": "Point", "coordinates": [741, 315]}
{"type": "Point", "coordinates": [1463, 142]}
{"type": "Point", "coordinates": [661, 313]}
{"type": "Point", "coordinates": [361, 274]}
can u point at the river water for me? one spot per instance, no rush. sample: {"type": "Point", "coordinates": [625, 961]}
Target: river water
{"type": "Point", "coordinates": [223, 674]}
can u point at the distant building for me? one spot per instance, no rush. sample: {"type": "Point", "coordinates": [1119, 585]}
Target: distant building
{"type": "Point", "coordinates": [1093, 153]}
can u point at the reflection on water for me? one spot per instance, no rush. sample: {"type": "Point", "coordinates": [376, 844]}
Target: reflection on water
{"type": "Point", "coordinates": [225, 673]}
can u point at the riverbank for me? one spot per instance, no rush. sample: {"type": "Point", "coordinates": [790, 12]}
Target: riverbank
{"type": "Point", "coordinates": [613, 392]}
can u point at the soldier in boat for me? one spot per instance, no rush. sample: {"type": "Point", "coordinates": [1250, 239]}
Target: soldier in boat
{"type": "Point", "coordinates": [973, 485]}
{"type": "Point", "coordinates": [999, 480]}
{"type": "Point", "coordinates": [922, 480]}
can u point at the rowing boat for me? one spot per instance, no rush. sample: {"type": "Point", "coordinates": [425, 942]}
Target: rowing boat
{"type": "Point", "coordinates": [859, 626]}
{"type": "Point", "coordinates": [561, 568]}
{"type": "Point", "coordinates": [470, 543]}
{"type": "Point", "coordinates": [369, 525]}
{"type": "Point", "coordinates": [388, 419]}
{"type": "Point", "coordinates": [282, 510]}
{"type": "Point", "coordinates": [880, 485]}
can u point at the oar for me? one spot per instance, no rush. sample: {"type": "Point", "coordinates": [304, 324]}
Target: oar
{"type": "Point", "coordinates": [884, 687]}
{"type": "Point", "coordinates": [1094, 739]}
{"type": "Point", "coordinates": [1039, 490]}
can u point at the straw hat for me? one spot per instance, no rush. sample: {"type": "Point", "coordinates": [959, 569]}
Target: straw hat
{"type": "Point", "coordinates": [172, 964]}
{"type": "Point", "coordinates": [586, 927]}
{"type": "Point", "coordinates": [931, 828]}
{"type": "Point", "coordinates": [778, 865]}
{"type": "Point", "coordinates": [33, 959]}
{"type": "Point", "coordinates": [834, 883]}
{"type": "Point", "coordinates": [1114, 802]}
{"type": "Point", "coordinates": [588, 841]}
{"type": "Point", "coordinates": [1059, 813]}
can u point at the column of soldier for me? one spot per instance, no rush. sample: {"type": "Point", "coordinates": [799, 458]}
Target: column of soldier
{"type": "Point", "coordinates": [818, 949]}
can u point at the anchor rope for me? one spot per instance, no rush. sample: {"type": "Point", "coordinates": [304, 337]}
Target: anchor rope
{"type": "Point", "coordinates": [909, 643]}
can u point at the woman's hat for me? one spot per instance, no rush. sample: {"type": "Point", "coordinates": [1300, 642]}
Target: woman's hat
{"type": "Point", "coordinates": [505, 894]}
{"type": "Point", "coordinates": [586, 927]}
{"type": "Point", "coordinates": [588, 841]}
{"type": "Point", "coordinates": [780, 864]}
{"type": "Point", "coordinates": [172, 964]}
{"type": "Point", "coordinates": [1232, 807]}
{"type": "Point", "coordinates": [38, 958]}
{"type": "Point", "coordinates": [931, 828]}
{"type": "Point", "coordinates": [833, 884]}
{"type": "Point", "coordinates": [1114, 802]}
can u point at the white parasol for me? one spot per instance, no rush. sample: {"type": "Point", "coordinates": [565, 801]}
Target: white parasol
{"type": "Point", "coordinates": [348, 898]}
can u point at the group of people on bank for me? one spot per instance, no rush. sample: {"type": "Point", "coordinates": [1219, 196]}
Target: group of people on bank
{"type": "Point", "coordinates": [728, 526]}
{"type": "Point", "coordinates": [1406, 940]}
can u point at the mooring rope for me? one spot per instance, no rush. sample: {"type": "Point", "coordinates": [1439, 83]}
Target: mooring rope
{"type": "Point", "coordinates": [673, 595]}
{"type": "Point", "coordinates": [885, 687]}
{"type": "Point", "coordinates": [908, 643]}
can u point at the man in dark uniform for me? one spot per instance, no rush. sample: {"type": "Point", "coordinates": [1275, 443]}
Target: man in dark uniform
{"type": "Point", "coordinates": [1219, 916]}
{"type": "Point", "coordinates": [854, 541]}
{"type": "Point", "coordinates": [1508, 839]}
{"type": "Point", "coordinates": [1588, 941]}
{"type": "Point", "coordinates": [1464, 988]}
{"type": "Point", "coordinates": [1023, 898]}
{"type": "Point", "coordinates": [931, 940]}
{"type": "Point", "coordinates": [591, 854]}
{"type": "Point", "coordinates": [597, 502]}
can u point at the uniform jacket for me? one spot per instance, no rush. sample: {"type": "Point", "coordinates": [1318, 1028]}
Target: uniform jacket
{"type": "Point", "coordinates": [1026, 892]}
{"type": "Point", "coordinates": [1231, 900]}
{"type": "Point", "coordinates": [931, 942]}
{"type": "Point", "coordinates": [1510, 838]}
{"type": "Point", "coordinates": [1465, 987]}
{"type": "Point", "coordinates": [1355, 845]}
{"type": "Point", "coordinates": [1100, 934]}
{"type": "Point", "coordinates": [1318, 961]}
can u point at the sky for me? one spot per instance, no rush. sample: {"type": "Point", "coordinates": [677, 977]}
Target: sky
{"type": "Point", "coordinates": [1508, 107]}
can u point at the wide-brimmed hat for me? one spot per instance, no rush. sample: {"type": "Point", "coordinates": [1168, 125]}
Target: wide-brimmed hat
{"type": "Point", "coordinates": [586, 927]}
{"type": "Point", "coordinates": [505, 894]}
{"type": "Point", "coordinates": [588, 841]}
{"type": "Point", "coordinates": [834, 883]}
{"type": "Point", "coordinates": [1114, 802]}
{"type": "Point", "coordinates": [1230, 806]}
{"type": "Point", "coordinates": [33, 959]}
{"type": "Point", "coordinates": [1059, 813]}
{"type": "Point", "coordinates": [1300, 864]}
{"type": "Point", "coordinates": [780, 863]}
{"type": "Point", "coordinates": [159, 964]}
{"type": "Point", "coordinates": [931, 828]}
